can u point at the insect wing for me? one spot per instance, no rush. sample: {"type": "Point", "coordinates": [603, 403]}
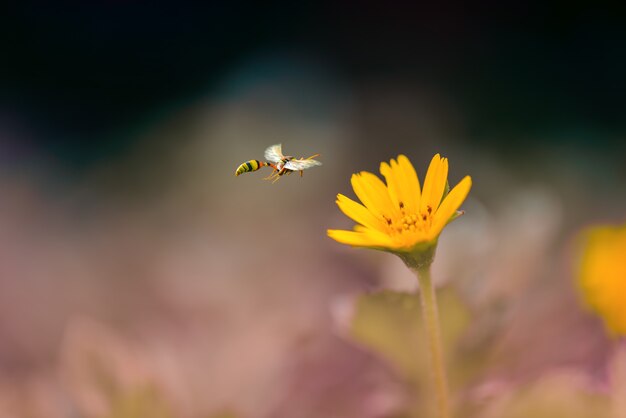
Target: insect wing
{"type": "Point", "coordinates": [274, 153]}
{"type": "Point", "coordinates": [297, 165]}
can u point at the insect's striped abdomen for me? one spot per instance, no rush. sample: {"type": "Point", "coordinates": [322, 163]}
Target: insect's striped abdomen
{"type": "Point", "coordinates": [250, 165]}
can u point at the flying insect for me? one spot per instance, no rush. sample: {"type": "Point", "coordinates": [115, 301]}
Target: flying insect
{"type": "Point", "coordinates": [280, 163]}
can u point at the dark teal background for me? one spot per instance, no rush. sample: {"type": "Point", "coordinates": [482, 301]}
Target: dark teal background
{"type": "Point", "coordinates": [78, 80]}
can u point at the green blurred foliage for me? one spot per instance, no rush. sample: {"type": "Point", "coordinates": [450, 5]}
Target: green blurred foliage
{"type": "Point", "coordinates": [562, 395]}
{"type": "Point", "coordinates": [224, 414]}
{"type": "Point", "coordinates": [390, 324]}
{"type": "Point", "coordinates": [139, 403]}
{"type": "Point", "coordinates": [618, 381]}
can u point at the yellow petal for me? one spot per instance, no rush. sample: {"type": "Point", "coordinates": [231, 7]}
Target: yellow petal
{"type": "Point", "coordinates": [393, 185]}
{"type": "Point", "coordinates": [358, 212]}
{"type": "Point", "coordinates": [375, 235]}
{"type": "Point", "coordinates": [434, 184]}
{"type": "Point", "coordinates": [450, 204]}
{"type": "Point", "coordinates": [411, 193]}
{"type": "Point", "coordinates": [429, 180]}
{"type": "Point", "coordinates": [373, 193]}
{"type": "Point", "coordinates": [601, 275]}
{"type": "Point", "coordinates": [357, 239]}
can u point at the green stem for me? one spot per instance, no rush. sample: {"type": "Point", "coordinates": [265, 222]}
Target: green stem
{"type": "Point", "coordinates": [431, 322]}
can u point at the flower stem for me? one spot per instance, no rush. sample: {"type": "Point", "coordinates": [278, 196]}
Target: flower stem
{"type": "Point", "coordinates": [431, 323]}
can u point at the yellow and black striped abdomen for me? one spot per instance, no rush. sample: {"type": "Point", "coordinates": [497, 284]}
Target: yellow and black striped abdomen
{"type": "Point", "coordinates": [250, 165]}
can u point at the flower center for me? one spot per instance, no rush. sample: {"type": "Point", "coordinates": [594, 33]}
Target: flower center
{"type": "Point", "coordinates": [409, 222]}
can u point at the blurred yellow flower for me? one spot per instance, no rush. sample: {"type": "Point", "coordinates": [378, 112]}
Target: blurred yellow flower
{"type": "Point", "coordinates": [602, 275]}
{"type": "Point", "coordinates": [400, 217]}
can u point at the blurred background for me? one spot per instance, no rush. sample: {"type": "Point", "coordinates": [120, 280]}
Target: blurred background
{"type": "Point", "coordinates": [140, 277]}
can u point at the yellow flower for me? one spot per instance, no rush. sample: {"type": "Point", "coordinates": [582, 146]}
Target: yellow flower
{"type": "Point", "coordinates": [400, 217]}
{"type": "Point", "coordinates": [602, 275]}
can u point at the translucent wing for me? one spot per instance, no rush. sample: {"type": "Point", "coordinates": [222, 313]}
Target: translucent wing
{"type": "Point", "coordinates": [274, 153]}
{"type": "Point", "coordinates": [297, 165]}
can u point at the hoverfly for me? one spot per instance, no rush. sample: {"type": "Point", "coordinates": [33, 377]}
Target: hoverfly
{"type": "Point", "coordinates": [281, 164]}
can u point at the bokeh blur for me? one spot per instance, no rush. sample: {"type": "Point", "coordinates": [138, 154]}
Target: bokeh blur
{"type": "Point", "coordinates": [140, 278]}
